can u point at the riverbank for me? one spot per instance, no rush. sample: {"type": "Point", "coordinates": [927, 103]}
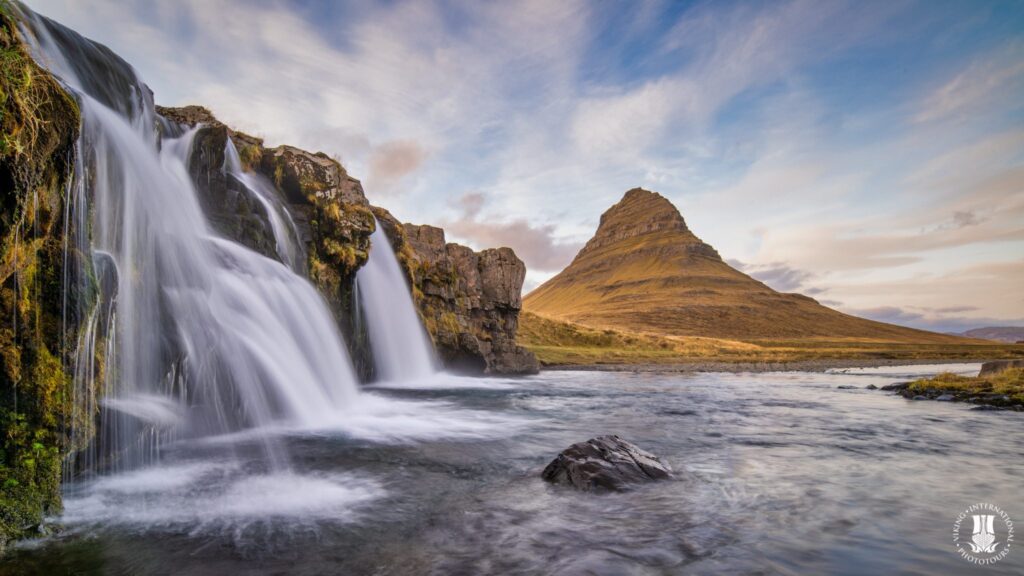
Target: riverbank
{"type": "Point", "coordinates": [821, 365]}
{"type": "Point", "coordinates": [1003, 389]}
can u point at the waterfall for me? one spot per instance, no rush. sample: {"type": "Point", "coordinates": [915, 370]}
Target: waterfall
{"type": "Point", "coordinates": [401, 348]}
{"type": "Point", "coordinates": [204, 336]}
{"type": "Point", "coordinates": [286, 235]}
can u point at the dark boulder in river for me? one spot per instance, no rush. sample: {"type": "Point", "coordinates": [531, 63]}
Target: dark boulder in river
{"type": "Point", "coordinates": [606, 462]}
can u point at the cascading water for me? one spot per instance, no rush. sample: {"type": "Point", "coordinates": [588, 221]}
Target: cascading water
{"type": "Point", "coordinates": [401, 348]}
{"type": "Point", "coordinates": [208, 378]}
{"type": "Point", "coordinates": [204, 336]}
{"type": "Point", "coordinates": [286, 234]}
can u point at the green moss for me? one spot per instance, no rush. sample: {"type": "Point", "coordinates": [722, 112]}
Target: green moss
{"type": "Point", "coordinates": [251, 156]}
{"type": "Point", "coordinates": [38, 127]}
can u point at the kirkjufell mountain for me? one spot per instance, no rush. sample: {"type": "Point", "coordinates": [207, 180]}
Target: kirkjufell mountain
{"type": "Point", "coordinates": [646, 271]}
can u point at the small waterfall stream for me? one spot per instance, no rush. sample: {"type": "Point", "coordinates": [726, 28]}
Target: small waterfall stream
{"type": "Point", "coordinates": [401, 347]}
{"type": "Point", "coordinates": [286, 235]}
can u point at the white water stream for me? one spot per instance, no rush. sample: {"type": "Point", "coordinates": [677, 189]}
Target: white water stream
{"type": "Point", "coordinates": [401, 348]}
{"type": "Point", "coordinates": [286, 235]}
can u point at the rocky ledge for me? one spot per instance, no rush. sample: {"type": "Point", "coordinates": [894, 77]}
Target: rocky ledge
{"type": "Point", "coordinates": [605, 463]}
{"type": "Point", "coordinates": [984, 400]}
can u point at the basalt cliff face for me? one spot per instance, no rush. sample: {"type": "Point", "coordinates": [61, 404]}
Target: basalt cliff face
{"type": "Point", "coordinates": [646, 271]}
{"type": "Point", "coordinates": [469, 301]}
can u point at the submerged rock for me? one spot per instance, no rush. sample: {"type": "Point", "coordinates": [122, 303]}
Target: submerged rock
{"type": "Point", "coordinates": [871, 387]}
{"type": "Point", "coordinates": [997, 366]}
{"type": "Point", "coordinates": [606, 462]}
{"type": "Point", "coordinates": [897, 387]}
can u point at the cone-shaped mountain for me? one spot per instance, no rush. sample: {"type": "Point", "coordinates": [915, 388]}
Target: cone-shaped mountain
{"type": "Point", "coordinates": [645, 271]}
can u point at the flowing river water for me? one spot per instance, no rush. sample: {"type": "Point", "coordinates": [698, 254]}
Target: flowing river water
{"type": "Point", "coordinates": [778, 473]}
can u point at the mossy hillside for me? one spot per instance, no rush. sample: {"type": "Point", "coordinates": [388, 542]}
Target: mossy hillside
{"type": "Point", "coordinates": [38, 128]}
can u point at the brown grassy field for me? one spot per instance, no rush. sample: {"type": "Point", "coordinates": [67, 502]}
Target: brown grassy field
{"type": "Point", "coordinates": [558, 343]}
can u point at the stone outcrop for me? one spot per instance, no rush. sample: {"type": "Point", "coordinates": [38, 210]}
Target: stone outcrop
{"type": "Point", "coordinates": [606, 462]}
{"type": "Point", "coordinates": [997, 366]}
{"type": "Point", "coordinates": [469, 301]}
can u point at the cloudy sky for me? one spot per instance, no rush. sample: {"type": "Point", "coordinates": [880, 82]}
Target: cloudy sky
{"type": "Point", "coordinates": [868, 154]}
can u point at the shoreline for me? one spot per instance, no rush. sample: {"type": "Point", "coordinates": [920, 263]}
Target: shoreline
{"type": "Point", "coordinates": [754, 367]}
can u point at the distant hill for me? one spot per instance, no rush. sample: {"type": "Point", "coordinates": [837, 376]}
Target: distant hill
{"type": "Point", "coordinates": [644, 271]}
{"type": "Point", "coordinates": [998, 333]}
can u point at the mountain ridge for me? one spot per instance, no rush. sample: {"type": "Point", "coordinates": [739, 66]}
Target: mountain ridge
{"type": "Point", "coordinates": [1009, 334]}
{"type": "Point", "coordinates": [645, 271]}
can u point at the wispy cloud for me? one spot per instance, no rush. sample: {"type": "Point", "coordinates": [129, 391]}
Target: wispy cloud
{"type": "Point", "coordinates": [391, 162]}
{"type": "Point", "coordinates": [779, 276]}
{"type": "Point", "coordinates": [538, 246]}
{"type": "Point", "coordinates": [989, 78]}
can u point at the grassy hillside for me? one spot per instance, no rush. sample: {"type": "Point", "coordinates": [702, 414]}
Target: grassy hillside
{"type": "Point", "coordinates": [644, 271]}
{"type": "Point", "coordinates": [559, 343]}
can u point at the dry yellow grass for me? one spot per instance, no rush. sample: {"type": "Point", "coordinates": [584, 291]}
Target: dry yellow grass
{"type": "Point", "coordinates": [1008, 382]}
{"type": "Point", "coordinates": [559, 343]}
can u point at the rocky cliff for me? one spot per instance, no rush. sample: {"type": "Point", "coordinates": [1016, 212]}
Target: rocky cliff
{"type": "Point", "coordinates": [469, 301]}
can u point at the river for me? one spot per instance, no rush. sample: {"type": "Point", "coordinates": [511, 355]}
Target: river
{"type": "Point", "coordinates": [778, 473]}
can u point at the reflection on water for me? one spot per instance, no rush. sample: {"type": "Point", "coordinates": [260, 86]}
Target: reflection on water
{"type": "Point", "coordinates": [778, 473]}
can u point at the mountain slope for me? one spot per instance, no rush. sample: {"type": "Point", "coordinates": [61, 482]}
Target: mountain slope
{"type": "Point", "coordinates": [645, 271]}
{"type": "Point", "coordinates": [998, 333]}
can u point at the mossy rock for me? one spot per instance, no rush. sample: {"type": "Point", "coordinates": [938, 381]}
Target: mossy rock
{"type": "Point", "coordinates": [39, 124]}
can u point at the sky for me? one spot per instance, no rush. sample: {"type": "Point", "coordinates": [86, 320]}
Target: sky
{"type": "Point", "coordinates": [867, 154]}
